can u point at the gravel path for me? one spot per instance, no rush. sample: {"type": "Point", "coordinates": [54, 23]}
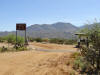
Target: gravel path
{"type": "Point", "coordinates": [31, 47]}
{"type": "Point", "coordinates": [45, 50]}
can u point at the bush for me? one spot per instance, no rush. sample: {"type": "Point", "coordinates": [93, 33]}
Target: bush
{"type": "Point", "coordinates": [12, 39]}
{"type": "Point", "coordinates": [75, 55]}
{"type": "Point", "coordinates": [45, 40]}
{"type": "Point", "coordinates": [53, 40]}
{"type": "Point", "coordinates": [70, 42]}
{"type": "Point", "coordinates": [80, 64]}
{"type": "Point", "coordinates": [1, 39]}
{"type": "Point", "coordinates": [91, 54]}
{"type": "Point", "coordinates": [72, 73]}
{"type": "Point", "coordinates": [31, 39]}
{"type": "Point", "coordinates": [38, 40]}
{"type": "Point", "coordinates": [62, 41]}
{"type": "Point", "coordinates": [3, 49]}
{"type": "Point", "coordinates": [22, 49]}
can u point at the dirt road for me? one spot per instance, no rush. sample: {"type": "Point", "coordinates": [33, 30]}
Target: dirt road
{"type": "Point", "coordinates": [36, 63]}
{"type": "Point", "coordinates": [49, 46]}
{"type": "Point", "coordinates": [52, 47]}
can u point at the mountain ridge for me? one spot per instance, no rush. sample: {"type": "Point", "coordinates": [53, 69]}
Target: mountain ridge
{"type": "Point", "coordinates": [55, 30]}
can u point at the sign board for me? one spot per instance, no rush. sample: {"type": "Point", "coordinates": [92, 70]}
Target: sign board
{"type": "Point", "coordinates": [21, 26]}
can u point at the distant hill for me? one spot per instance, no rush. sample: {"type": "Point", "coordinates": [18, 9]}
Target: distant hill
{"type": "Point", "coordinates": [89, 26]}
{"type": "Point", "coordinates": [56, 30]}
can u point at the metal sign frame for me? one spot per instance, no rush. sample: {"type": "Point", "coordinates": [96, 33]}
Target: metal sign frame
{"type": "Point", "coordinates": [21, 27]}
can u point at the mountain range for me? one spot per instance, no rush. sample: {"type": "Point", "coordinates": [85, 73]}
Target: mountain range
{"type": "Point", "coordinates": [56, 30]}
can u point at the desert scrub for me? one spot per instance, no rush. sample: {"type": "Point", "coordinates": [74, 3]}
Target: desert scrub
{"type": "Point", "coordinates": [1, 39]}
{"type": "Point", "coordinates": [3, 49]}
{"type": "Point", "coordinates": [81, 65]}
{"type": "Point", "coordinates": [12, 39]}
{"type": "Point", "coordinates": [91, 53]}
{"type": "Point", "coordinates": [72, 73]}
{"type": "Point", "coordinates": [22, 49]}
{"type": "Point", "coordinates": [75, 55]}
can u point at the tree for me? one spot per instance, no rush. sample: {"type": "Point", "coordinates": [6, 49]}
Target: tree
{"type": "Point", "coordinates": [92, 53]}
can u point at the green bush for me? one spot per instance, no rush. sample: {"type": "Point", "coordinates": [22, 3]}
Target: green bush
{"type": "Point", "coordinates": [22, 49]}
{"type": "Point", "coordinates": [91, 54]}
{"type": "Point", "coordinates": [53, 40]}
{"type": "Point", "coordinates": [12, 39]}
{"type": "Point", "coordinates": [79, 63]}
{"type": "Point", "coordinates": [1, 39]}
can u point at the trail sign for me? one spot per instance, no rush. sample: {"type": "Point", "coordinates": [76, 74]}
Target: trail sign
{"type": "Point", "coordinates": [21, 26]}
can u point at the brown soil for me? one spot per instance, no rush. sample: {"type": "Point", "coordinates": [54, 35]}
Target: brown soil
{"type": "Point", "coordinates": [53, 46]}
{"type": "Point", "coordinates": [37, 63]}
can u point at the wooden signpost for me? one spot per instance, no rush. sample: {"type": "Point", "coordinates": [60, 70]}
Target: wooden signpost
{"type": "Point", "coordinates": [21, 27]}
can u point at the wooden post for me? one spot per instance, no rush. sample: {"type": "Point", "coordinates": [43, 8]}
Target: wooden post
{"type": "Point", "coordinates": [87, 43]}
{"type": "Point", "coordinates": [16, 40]}
{"type": "Point", "coordinates": [25, 38]}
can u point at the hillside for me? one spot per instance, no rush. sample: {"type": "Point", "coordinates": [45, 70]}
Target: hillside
{"type": "Point", "coordinates": [89, 26]}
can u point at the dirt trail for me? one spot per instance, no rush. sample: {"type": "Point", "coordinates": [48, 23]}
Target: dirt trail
{"type": "Point", "coordinates": [35, 63]}
{"type": "Point", "coordinates": [49, 46]}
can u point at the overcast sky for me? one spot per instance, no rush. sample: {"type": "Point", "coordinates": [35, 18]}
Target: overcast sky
{"type": "Point", "coordinates": [31, 12]}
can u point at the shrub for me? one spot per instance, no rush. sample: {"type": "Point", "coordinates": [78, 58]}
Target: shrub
{"type": "Point", "coordinates": [31, 39]}
{"type": "Point", "coordinates": [22, 49]}
{"type": "Point", "coordinates": [53, 40]}
{"type": "Point", "coordinates": [72, 73]}
{"type": "Point", "coordinates": [91, 54]}
{"type": "Point", "coordinates": [3, 49]}
{"type": "Point", "coordinates": [12, 39]}
{"type": "Point", "coordinates": [45, 40]}
{"type": "Point", "coordinates": [75, 55]}
{"type": "Point", "coordinates": [1, 39]}
{"type": "Point", "coordinates": [62, 41]}
{"type": "Point", "coordinates": [38, 40]}
{"type": "Point", "coordinates": [70, 42]}
{"type": "Point", "coordinates": [79, 63]}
